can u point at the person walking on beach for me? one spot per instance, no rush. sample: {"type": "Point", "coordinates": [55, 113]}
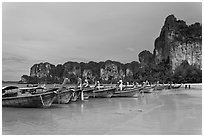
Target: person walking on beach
{"type": "Point", "coordinates": [121, 85]}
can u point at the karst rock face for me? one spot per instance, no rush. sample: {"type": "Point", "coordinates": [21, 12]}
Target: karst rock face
{"type": "Point", "coordinates": [108, 70]}
{"type": "Point", "coordinates": [111, 70]}
{"type": "Point", "coordinates": [42, 70]}
{"type": "Point", "coordinates": [71, 69]}
{"type": "Point", "coordinates": [178, 42]}
{"type": "Point", "coordinates": [129, 72]}
{"type": "Point", "coordinates": [146, 57]}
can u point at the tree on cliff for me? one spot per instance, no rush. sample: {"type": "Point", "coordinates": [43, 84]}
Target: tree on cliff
{"type": "Point", "coordinates": [146, 57]}
{"type": "Point", "coordinates": [58, 73]}
{"type": "Point", "coordinates": [187, 73]}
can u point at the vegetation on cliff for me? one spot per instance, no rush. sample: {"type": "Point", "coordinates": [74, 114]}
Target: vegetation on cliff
{"type": "Point", "coordinates": [130, 72]}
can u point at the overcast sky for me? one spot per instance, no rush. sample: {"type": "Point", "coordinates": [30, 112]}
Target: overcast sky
{"type": "Point", "coordinates": [61, 32]}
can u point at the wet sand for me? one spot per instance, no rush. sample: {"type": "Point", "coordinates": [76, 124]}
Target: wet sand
{"type": "Point", "coordinates": [167, 112]}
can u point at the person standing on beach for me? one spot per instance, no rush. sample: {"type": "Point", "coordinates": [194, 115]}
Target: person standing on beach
{"type": "Point", "coordinates": [79, 83]}
{"type": "Point", "coordinates": [147, 82]}
{"type": "Point", "coordinates": [121, 85]}
{"type": "Point", "coordinates": [97, 85]}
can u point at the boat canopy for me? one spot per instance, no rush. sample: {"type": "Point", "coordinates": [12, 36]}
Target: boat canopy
{"type": "Point", "coordinates": [30, 88]}
{"type": "Point", "coordinates": [53, 89]}
{"type": "Point", "coordinates": [9, 87]}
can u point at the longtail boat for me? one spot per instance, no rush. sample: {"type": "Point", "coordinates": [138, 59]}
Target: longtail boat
{"type": "Point", "coordinates": [147, 89]}
{"type": "Point", "coordinates": [87, 92]}
{"type": "Point", "coordinates": [9, 91]}
{"type": "Point", "coordinates": [159, 87]}
{"type": "Point", "coordinates": [64, 97]}
{"type": "Point", "coordinates": [28, 100]}
{"type": "Point", "coordinates": [129, 92]}
{"type": "Point", "coordinates": [64, 94]}
{"type": "Point", "coordinates": [103, 93]}
{"type": "Point", "coordinates": [176, 87]}
{"type": "Point", "coordinates": [32, 90]}
{"type": "Point", "coordinates": [76, 94]}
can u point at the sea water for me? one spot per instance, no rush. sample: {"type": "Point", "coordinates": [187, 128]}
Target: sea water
{"type": "Point", "coordinates": [168, 112]}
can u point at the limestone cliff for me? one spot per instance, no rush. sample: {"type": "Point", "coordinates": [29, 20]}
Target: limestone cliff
{"type": "Point", "coordinates": [111, 70]}
{"type": "Point", "coordinates": [42, 70]}
{"type": "Point", "coordinates": [145, 57]}
{"type": "Point", "coordinates": [105, 71]}
{"type": "Point", "coordinates": [71, 69]}
{"type": "Point", "coordinates": [178, 42]}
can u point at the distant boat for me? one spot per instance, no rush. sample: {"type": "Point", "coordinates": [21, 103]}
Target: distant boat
{"type": "Point", "coordinates": [129, 92]}
{"type": "Point", "coordinates": [103, 93]}
{"type": "Point", "coordinates": [27, 100]}
{"type": "Point", "coordinates": [147, 89]}
{"type": "Point", "coordinates": [160, 87]}
{"type": "Point", "coordinates": [176, 86]}
{"type": "Point", "coordinates": [32, 85]}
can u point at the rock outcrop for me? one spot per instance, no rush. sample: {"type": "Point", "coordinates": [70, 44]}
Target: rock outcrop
{"type": "Point", "coordinates": [146, 57]}
{"type": "Point", "coordinates": [72, 69]}
{"type": "Point", "coordinates": [112, 71]}
{"type": "Point", "coordinates": [105, 71]}
{"type": "Point", "coordinates": [178, 42]}
{"type": "Point", "coordinates": [42, 70]}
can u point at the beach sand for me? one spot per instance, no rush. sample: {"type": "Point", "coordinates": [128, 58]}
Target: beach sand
{"type": "Point", "coordinates": [167, 112]}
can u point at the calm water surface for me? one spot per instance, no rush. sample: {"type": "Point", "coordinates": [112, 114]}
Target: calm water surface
{"type": "Point", "coordinates": [166, 112]}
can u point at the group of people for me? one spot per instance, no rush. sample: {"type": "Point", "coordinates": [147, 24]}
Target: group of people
{"type": "Point", "coordinates": [80, 85]}
{"type": "Point", "coordinates": [120, 84]}
{"type": "Point", "coordinates": [86, 83]}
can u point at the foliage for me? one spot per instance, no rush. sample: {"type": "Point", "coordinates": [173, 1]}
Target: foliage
{"type": "Point", "coordinates": [188, 33]}
{"type": "Point", "coordinates": [187, 73]}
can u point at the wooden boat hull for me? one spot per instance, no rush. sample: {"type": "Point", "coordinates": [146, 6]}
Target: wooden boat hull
{"type": "Point", "coordinates": [63, 97]}
{"type": "Point", "coordinates": [103, 93]}
{"type": "Point", "coordinates": [76, 95]}
{"type": "Point", "coordinates": [30, 101]}
{"type": "Point", "coordinates": [159, 87]}
{"type": "Point", "coordinates": [147, 90]}
{"type": "Point", "coordinates": [88, 92]}
{"type": "Point", "coordinates": [127, 93]}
